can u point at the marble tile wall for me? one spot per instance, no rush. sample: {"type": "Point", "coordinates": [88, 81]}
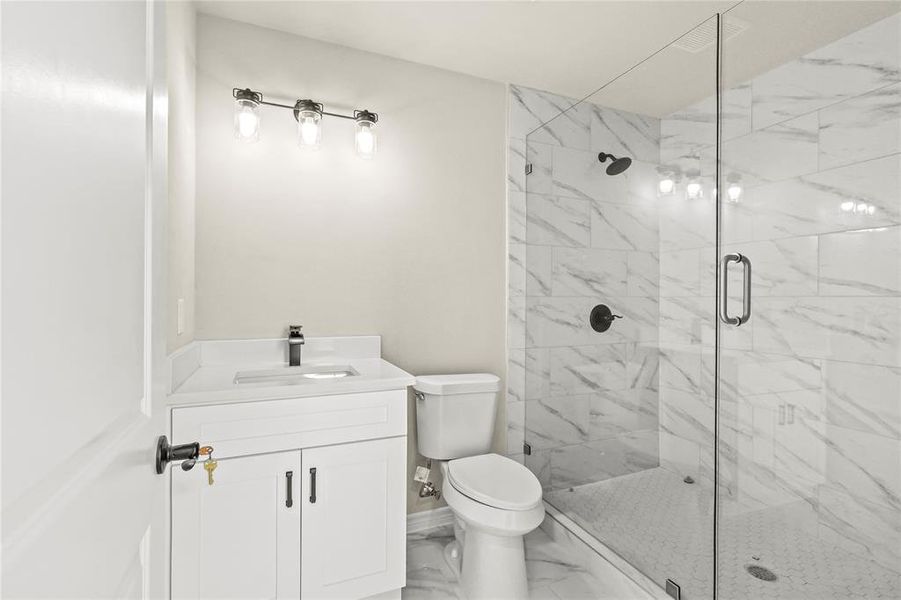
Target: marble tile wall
{"type": "Point", "coordinates": [585, 401]}
{"type": "Point", "coordinates": [811, 386]}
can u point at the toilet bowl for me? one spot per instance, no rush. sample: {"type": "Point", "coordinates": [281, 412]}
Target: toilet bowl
{"type": "Point", "coordinates": [495, 500]}
{"type": "Point", "coordinates": [498, 501]}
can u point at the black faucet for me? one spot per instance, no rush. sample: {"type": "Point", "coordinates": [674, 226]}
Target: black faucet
{"type": "Point", "coordinates": [295, 341]}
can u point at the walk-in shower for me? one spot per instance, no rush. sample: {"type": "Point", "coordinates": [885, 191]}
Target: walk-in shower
{"type": "Point", "coordinates": [724, 448]}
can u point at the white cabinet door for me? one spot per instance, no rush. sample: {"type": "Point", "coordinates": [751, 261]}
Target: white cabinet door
{"type": "Point", "coordinates": [354, 521]}
{"type": "Point", "coordinates": [237, 538]}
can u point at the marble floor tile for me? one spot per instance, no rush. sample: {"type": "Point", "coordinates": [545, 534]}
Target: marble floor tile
{"type": "Point", "coordinates": [554, 571]}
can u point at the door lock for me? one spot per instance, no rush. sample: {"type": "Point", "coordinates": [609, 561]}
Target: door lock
{"type": "Point", "coordinates": [166, 453]}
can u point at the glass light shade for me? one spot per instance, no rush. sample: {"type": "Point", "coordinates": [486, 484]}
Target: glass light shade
{"type": "Point", "coordinates": [365, 139]}
{"type": "Point", "coordinates": [733, 192]}
{"type": "Point", "coordinates": [309, 129]}
{"type": "Point", "coordinates": [666, 186]}
{"type": "Point", "coordinates": [847, 206]}
{"type": "Point", "coordinates": [247, 120]}
{"type": "Point", "coordinates": [693, 190]}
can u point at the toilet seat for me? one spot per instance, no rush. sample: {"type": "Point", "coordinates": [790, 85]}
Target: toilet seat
{"type": "Point", "coordinates": [495, 481]}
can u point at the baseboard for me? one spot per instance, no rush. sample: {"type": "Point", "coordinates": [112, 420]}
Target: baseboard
{"type": "Point", "coordinates": [426, 519]}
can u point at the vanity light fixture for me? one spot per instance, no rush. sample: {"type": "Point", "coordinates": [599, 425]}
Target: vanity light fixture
{"type": "Point", "coordinates": [859, 208]}
{"type": "Point", "coordinates": [247, 115]}
{"type": "Point", "coordinates": [733, 189]}
{"type": "Point", "coordinates": [309, 124]}
{"type": "Point", "coordinates": [666, 185]}
{"type": "Point", "coordinates": [364, 139]}
{"type": "Point", "coordinates": [308, 114]}
{"type": "Point", "coordinates": [693, 190]}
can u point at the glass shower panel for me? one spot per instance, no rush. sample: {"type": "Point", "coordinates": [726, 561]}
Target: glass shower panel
{"type": "Point", "coordinates": [810, 386]}
{"type": "Point", "coordinates": [619, 407]}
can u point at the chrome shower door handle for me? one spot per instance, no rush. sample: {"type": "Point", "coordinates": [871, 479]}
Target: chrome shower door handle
{"type": "Point", "coordinates": [746, 296]}
{"type": "Point", "coordinates": [724, 289]}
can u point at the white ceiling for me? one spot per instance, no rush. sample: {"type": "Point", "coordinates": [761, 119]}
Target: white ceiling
{"type": "Point", "coordinates": [570, 48]}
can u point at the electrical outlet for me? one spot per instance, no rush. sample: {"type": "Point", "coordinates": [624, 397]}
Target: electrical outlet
{"type": "Point", "coordinates": [180, 316]}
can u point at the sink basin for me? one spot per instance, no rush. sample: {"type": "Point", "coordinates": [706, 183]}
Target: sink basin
{"type": "Point", "coordinates": [295, 375]}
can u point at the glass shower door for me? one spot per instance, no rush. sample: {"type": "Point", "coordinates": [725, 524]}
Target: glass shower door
{"type": "Point", "coordinates": [611, 279]}
{"type": "Point", "coordinates": [809, 385]}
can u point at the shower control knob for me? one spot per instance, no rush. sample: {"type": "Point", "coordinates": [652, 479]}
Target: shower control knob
{"type": "Point", "coordinates": [601, 318]}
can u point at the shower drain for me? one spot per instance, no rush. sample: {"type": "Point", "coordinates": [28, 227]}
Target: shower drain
{"type": "Point", "coordinates": [761, 573]}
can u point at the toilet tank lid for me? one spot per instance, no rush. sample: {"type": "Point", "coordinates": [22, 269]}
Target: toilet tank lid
{"type": "Point", "coordinates": [457, 384]}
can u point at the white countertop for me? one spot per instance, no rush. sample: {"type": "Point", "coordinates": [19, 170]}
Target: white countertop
{"type": "Point", "coordinates": [204, 372]}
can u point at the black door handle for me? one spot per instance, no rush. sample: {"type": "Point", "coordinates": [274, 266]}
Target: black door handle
{"type": "Point", "coordinates": [313, 485]}
{"type": "Point", "coordinates": [289, 501]}
{"type": "Point", "coordinates": [166, 453]}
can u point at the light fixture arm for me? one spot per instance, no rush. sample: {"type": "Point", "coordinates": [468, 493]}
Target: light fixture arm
{"type": "Point", "coordinates": [249, 94]}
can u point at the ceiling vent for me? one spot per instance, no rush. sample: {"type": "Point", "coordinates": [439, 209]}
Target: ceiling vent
{"type": "Point", "coordinates": [704, 35]}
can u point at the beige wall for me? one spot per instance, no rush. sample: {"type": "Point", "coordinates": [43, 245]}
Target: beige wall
{"type": "Point", "coordinates": [410, 246]}
{"type": "Point", "coordinates": [181, 31]}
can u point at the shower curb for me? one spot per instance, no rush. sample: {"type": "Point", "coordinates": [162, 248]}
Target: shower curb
{"type": "Point", "coordinates": [599, 557]}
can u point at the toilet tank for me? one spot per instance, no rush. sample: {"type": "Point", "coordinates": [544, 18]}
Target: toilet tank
{"type": "Point", "coordinates": [455, 414]}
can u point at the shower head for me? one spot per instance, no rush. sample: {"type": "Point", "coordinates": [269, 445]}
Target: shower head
{"type": "Point", "coordinates": [618, 165]}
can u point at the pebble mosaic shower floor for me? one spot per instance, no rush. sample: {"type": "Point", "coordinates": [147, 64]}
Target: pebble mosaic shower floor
{"type": "Point", "coordinates": [663, 526]}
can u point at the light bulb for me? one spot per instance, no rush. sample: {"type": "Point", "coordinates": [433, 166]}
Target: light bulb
{"type": "Point", "coordinates": [847, 206]}
{"type": "Point", "coordinates": [247, 116]}
{"type": "Point", "coordinates": [734, 192]}
{"type": "Point", "coordinates": [871, 210]}
{"type": "Point", "coordinates": [861, 208]}
{"type": "Point", "coordinates": [309, 131]}
{"type": "Point", "coordinates": [365, 138]}
{"type": "Point", "coordinates": [693, 190]}
{"type": "Point", "coordinates": [666, 186]}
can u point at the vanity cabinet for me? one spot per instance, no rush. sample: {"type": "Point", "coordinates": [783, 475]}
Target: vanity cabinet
{"type": "Point", "coordinates": [290, 515]}
{"type": "Point", "coordinates": [237, 538]}
{"type": "Point", "coordinates": [353, 528]}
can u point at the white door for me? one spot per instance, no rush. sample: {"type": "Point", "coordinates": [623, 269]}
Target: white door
{"type": "Point", "coordinates": [354, 519]}
{"type": "Point", "coordinates": [83, 203]}
{"type": "Point", "coordinates": [240, 537]}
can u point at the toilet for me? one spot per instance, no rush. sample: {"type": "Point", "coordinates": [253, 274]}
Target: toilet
{"type": "Point", "coordinates": [495, 500]}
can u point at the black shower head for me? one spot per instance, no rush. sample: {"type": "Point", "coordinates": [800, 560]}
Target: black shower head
{"type": "Point", "coordinates": [618, 165]}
